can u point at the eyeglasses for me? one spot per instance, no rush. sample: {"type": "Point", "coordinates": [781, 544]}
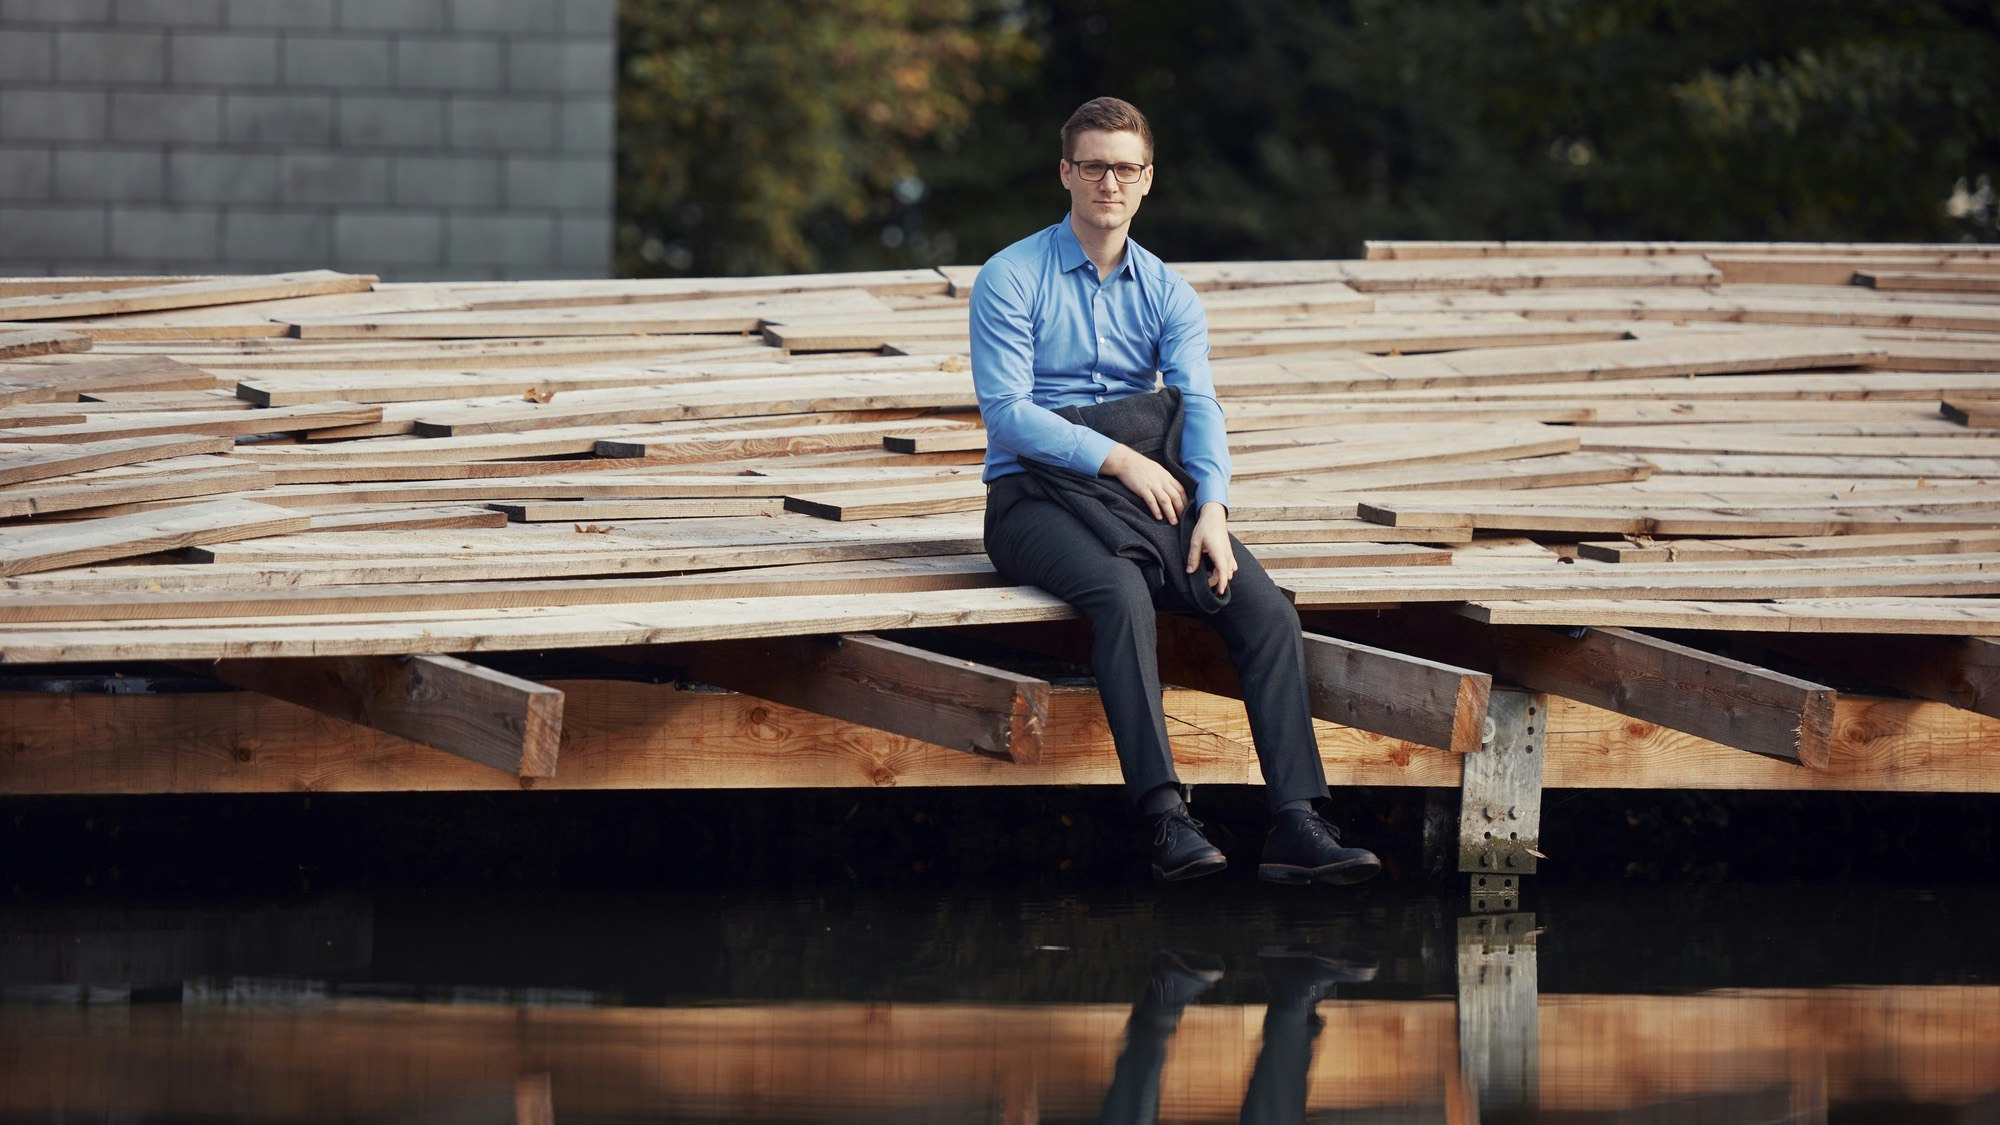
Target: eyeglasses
{"type": "Point", "coordinates": [1093, 170]}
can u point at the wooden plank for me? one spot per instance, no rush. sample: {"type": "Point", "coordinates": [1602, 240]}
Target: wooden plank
{"type": "Point", "coordinates": [181, 295]}
{"type": "Point", "coordinates": [143, 599]}
{"type": "Point", "coordinates": [625, 291]}
{"type": "Point", "coordinates": [1655, 519]}
{"type": "Point", "coordinates": [563, 511]}
{"type": "Point", "coordinates": [16, 342]}
{"type": "Point", "coordinates": [35, 286]}
{"type": "Point", "coordinates": [689, 317]}
{"type": "Point", "coordinates": [1614, 359]}
{"type": "Point", "coordinates": [1811, 465]}
{"type": "Point", "coordinates": [281, 419]}
{"type": "Point", "coordinates": [1928, 280]}
{"type": "Point", "coordinates": [1758, 440]}
{"type": "Point", "coordinates": [502, 721]}
{"type": "Point", "coordinates": [1725, 303]}
{"type": "Point", "coordinates": [47, 382]}
{"type": "Point", "coordinates": [57, 461]}
{"type": "Point", "coordinates": [883, 685]}
{"type": "Point", "coordinates": [1794, 547]}
{"type": "Point", "coordinates": [1982, 412]}
{"type": "Point", "coordinates": [735, 398]}
{"type": "Point", "coordinates": [534, 629]}
{"type": "Point", "coordinates": [1388, 275]}
{"type": "Point", "coordinates": [1915, 578]}
{"type": "Point", "coordinates": [1380, 249]}
{"type": "Point", "coordinates": [280, 387]}
{"type": "Point", "coordinates": [1888, 616]}
{"type": "Point", "coordinates": [1391, 335]}
{"type": "Point", "coordinates": [91, 491]}
{"type": "Point", "coordinates": [443, 517]}
{"type": "Point", "coordinates": [1819, 269]}
{"type": "Point", "coordinates": [41, 548]}
{"type": "Point", "coordinates": [771, 441]}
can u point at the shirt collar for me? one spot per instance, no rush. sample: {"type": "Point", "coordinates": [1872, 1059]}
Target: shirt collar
{"type": "Point", "coordinates": [1070, 251]}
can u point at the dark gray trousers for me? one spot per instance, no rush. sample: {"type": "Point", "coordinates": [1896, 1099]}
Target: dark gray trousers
{"type": "Point", "coordinates": [1039, 543]}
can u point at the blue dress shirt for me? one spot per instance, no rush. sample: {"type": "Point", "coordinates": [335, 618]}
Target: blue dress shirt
{"type": "Point", "coordinates": [1047, 333]}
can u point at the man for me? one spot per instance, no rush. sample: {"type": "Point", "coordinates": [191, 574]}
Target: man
{"type": "Point", "coordinates": [1079, 314]}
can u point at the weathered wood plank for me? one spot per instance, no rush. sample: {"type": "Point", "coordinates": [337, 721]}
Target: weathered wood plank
{"type": "Point", "coordinates": [22, 465]}
{"type": "Point", "coordinates": [281, 419]}
{"type": "Point", "coordinates": [181, 295]}
{"type": "Point", "coordinates": [880, 684]}
{"type": "Point", "coordinates": [502, 721]}
{"type": "Point", "coordinates": [49, 547]}
{"type": "Point", "coordinates": [1725, 701]}
{"type": "Point", "coordinates": [50, 382]}
{"type": "Point", "coordinates": [1887, 616]}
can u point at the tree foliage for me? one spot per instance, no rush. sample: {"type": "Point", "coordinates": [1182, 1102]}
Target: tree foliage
{"type": "Point", "coordinates": [749, 127]}
{"type": "Point", "coordinates": [1291, 129]}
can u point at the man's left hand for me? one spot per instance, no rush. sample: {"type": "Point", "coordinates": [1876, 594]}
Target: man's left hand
{"type": "Point", "coordinates": [1211, 538]}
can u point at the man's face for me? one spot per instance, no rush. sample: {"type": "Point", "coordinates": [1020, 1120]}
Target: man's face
{"type": "Point", "coordinates": [1106, 204]}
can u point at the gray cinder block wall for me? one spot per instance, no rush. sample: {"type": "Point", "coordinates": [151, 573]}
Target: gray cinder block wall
{"type": "Point", "coordinates": [417, 139]}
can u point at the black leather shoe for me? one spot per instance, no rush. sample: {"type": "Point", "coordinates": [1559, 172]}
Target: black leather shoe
{"type": "Point", "coordinates": [1302, 848]}
{"type": "Point", "coordinates": [1301, 975]}
{"type": "Point", "coordinates": [1180, 851]}
{"type": "Point", "coordinates": [1179, 975]}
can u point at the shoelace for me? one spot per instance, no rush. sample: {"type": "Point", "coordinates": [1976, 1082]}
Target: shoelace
{"type": "Point", "coordinates": [1165, 829]}
{"type": "Point", "coordinates": [1315, 822]}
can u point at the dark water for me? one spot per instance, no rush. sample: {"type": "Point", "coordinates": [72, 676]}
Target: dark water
{"type": "Point", "coordinates": [891, 996]}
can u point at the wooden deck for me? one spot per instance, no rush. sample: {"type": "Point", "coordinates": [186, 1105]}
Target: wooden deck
{"type": "Point", "coordinates": [1735, 508]}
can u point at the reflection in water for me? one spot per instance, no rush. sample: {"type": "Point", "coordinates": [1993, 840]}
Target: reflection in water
{"type": "Point", "coordinates": [1299, 978]}
{"type": "Point", "coordinates": [192, 1015]}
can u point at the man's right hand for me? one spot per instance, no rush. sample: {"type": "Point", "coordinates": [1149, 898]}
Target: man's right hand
{"type": "Point", "coordinates": [1148, 480]}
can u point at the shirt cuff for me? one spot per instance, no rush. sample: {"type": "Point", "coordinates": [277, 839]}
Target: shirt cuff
{"type": "Point", "coordinates": [1091, 450]}
{"type": "Point", "coordinates": [1216, 490]}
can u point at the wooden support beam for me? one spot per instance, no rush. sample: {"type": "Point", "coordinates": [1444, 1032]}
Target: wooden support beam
{"type": "Point", "coordinates": [1388, 693]}
{"type": "Point", "coordinates": [1685, 689]}
{"type": "Point", "coordinates": [1372, 689]}
{"type": "Point", "coordinates": [1710, 696]}
{"type": "Point", "coordinates": [460, 708]}
{"type": "Point", "coordinates": [1961, 671]}
{"type": "Point", "coordinates": [877, 683]}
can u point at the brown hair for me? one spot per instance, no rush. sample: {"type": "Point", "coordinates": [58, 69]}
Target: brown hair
{"type": "Point", "coordinates": [1110, 115]}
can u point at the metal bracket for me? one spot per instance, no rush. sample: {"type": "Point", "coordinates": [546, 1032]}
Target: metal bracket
{"type": "Point", "coordinates": [1500, 797]}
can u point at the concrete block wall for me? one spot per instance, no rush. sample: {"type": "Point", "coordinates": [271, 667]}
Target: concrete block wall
{"type": "Point", "coordinates": [417, 139]}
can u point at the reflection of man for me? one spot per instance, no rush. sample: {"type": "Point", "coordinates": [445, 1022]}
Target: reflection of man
{"type": "Point", "coordinates": [1298, 978]}
{"type": "Point", "coordinates": [1077, 315]}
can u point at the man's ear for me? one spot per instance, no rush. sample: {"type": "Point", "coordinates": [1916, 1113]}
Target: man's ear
{"type": "Point", "coordinates": [1062, 172]}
